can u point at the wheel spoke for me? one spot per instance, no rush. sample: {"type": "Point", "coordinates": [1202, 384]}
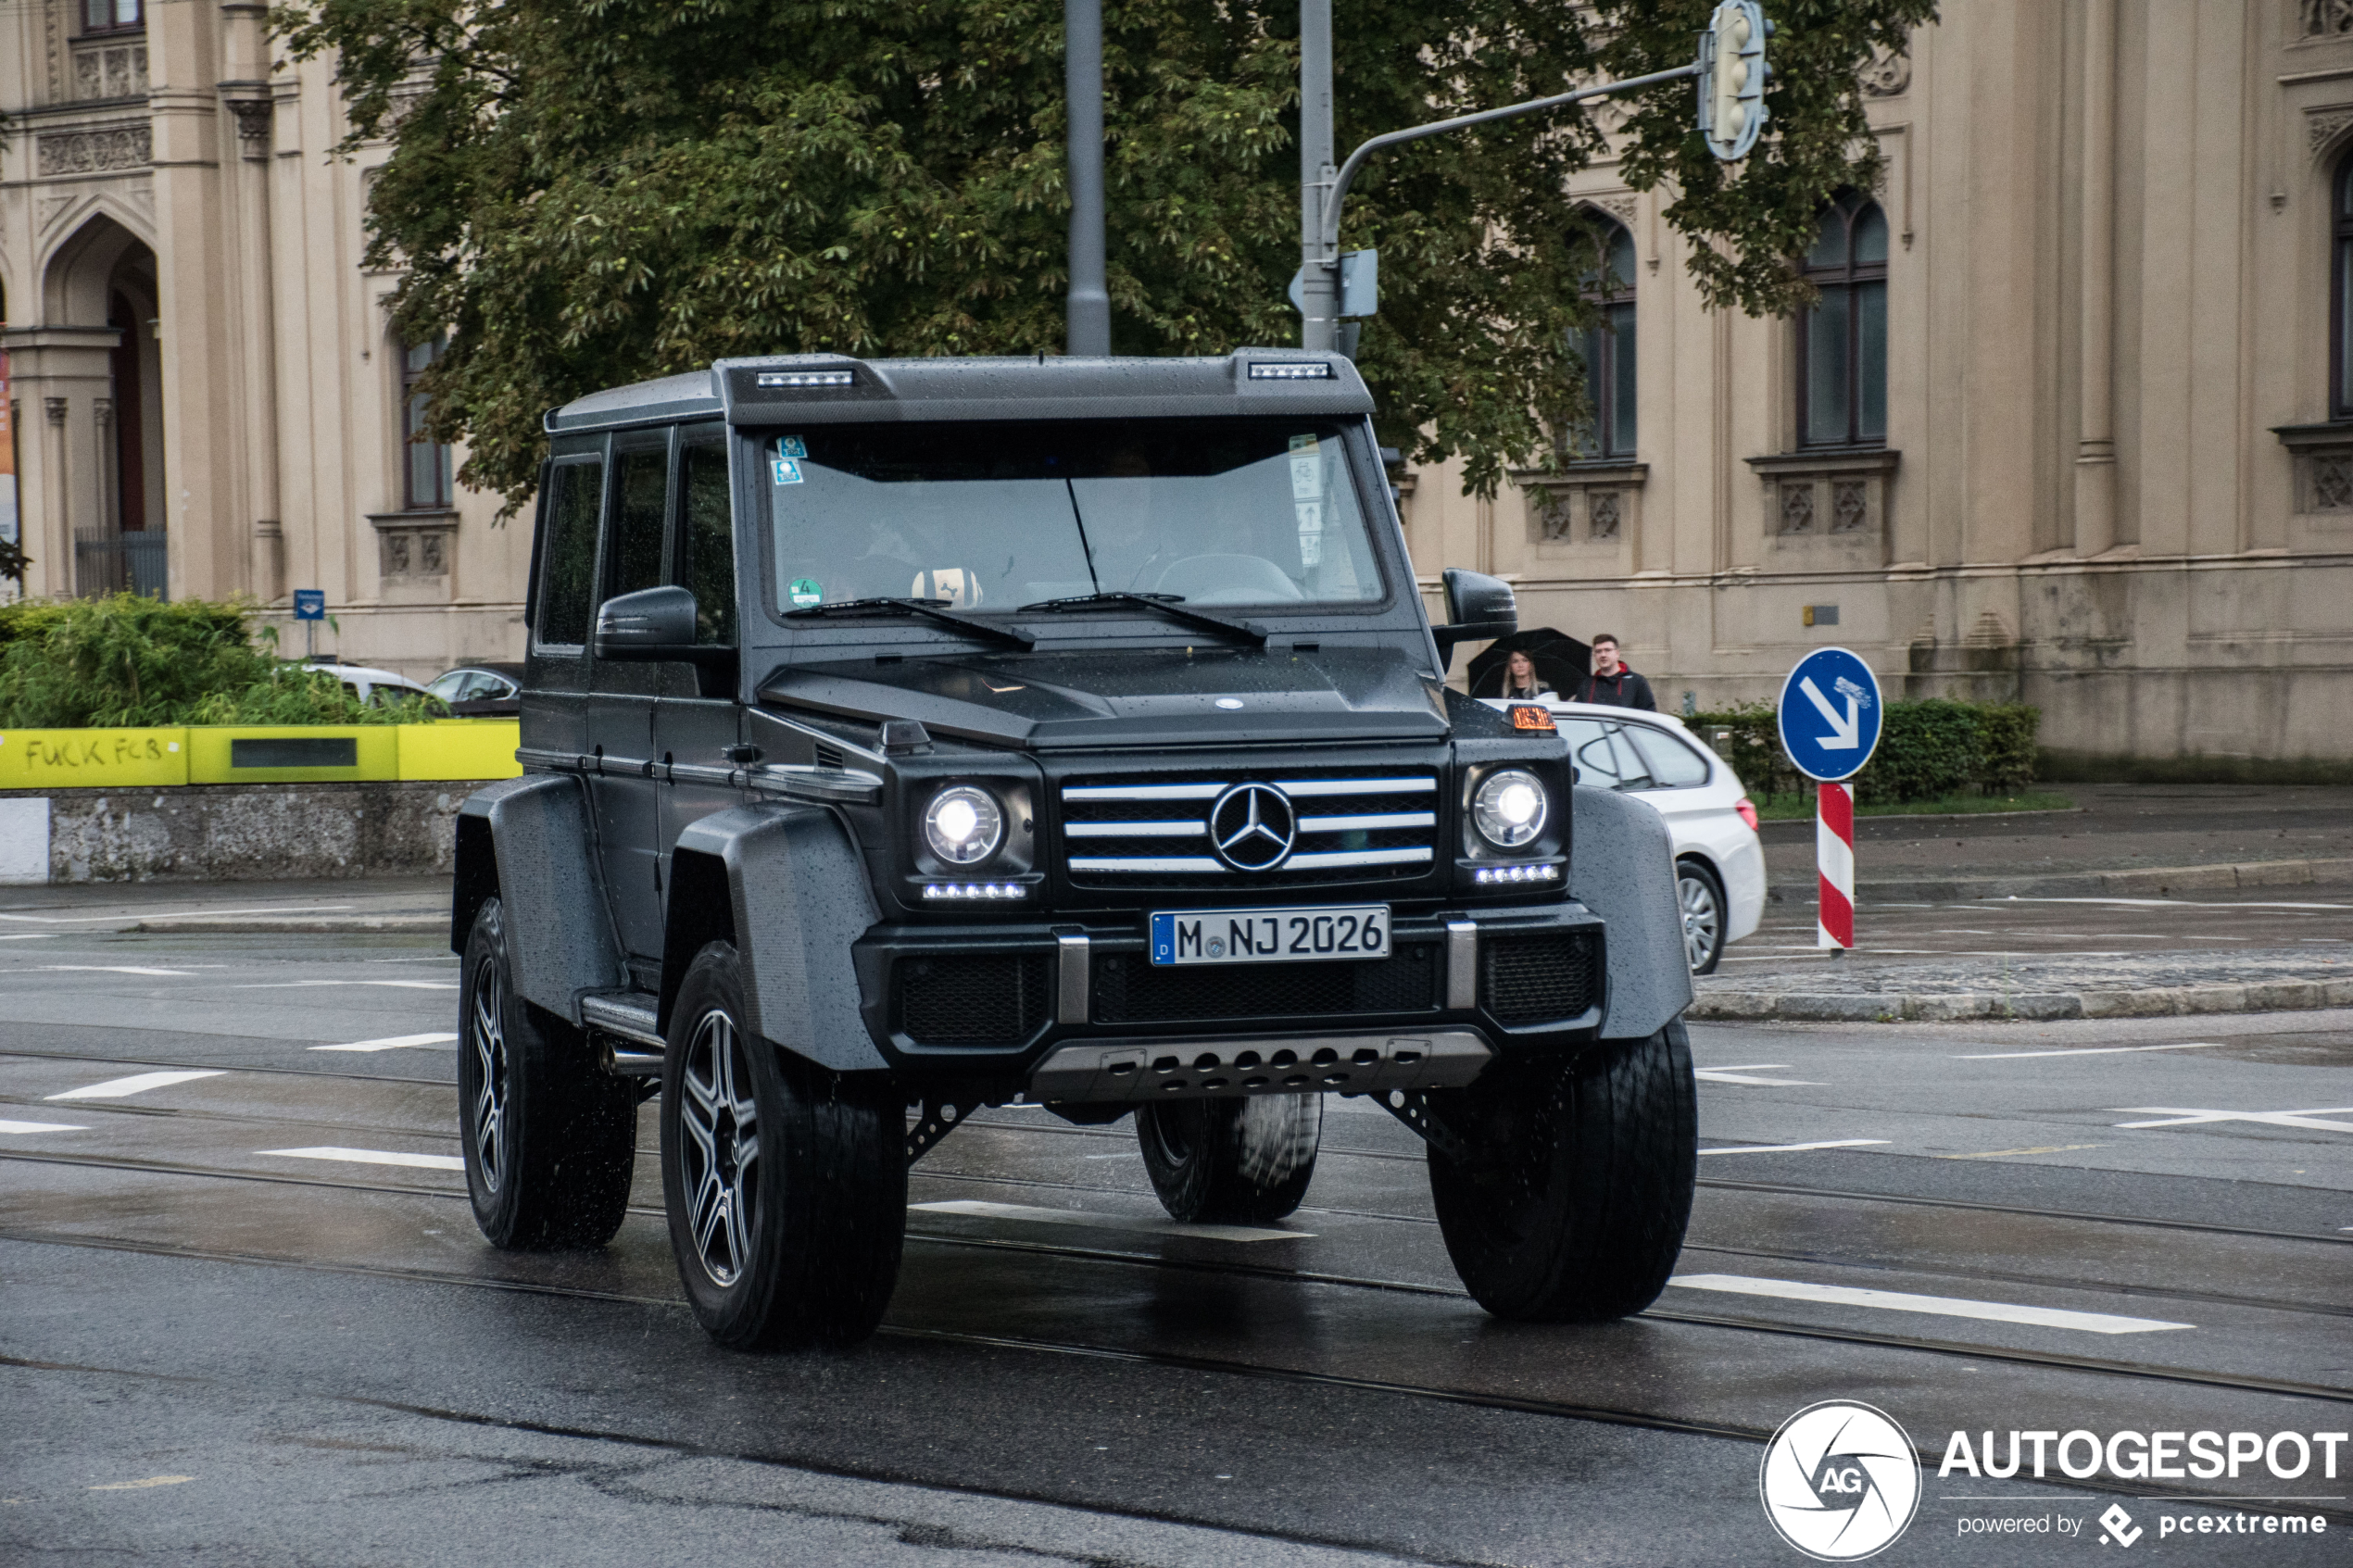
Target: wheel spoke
{"type": "Point", "coordinates": [738, 1223]}
{"type": "Point", "coordinates": [710, 1215]}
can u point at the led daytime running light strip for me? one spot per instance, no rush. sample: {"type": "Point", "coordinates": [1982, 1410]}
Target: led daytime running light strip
{"type": "Point", "coordinates": [975, 890]}
{"type": "Point", "coordinates": [1290, 371]}
{"type": "Point", "coordinates": [1516, 873]}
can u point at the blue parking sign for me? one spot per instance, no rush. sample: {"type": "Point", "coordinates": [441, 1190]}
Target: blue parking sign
{"type": "Point", "coordinates": [310, 604]}
{"type": "Point", "coordinates": [1830, 714]}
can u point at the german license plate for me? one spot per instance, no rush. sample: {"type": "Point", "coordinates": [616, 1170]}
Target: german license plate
{"type": "Point", "coordinates": [1349, 930]}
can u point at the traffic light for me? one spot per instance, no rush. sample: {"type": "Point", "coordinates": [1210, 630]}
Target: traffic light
{"type": "Point", "coordinates": [1732, 78]}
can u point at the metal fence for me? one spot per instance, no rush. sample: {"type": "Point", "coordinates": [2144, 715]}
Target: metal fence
{"type": "Point", "coordinates": [109, 563]}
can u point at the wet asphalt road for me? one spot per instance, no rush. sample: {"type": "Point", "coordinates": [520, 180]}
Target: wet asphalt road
{"type": "Point", "coordinates": [244, 1317]}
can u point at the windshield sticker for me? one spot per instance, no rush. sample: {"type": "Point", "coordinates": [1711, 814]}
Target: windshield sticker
{"type": "Point", "coordinates": [788, 471]}
{"type": "Point", "coordinates": [1307, 476]}
{"type": "Point", "coordinates": [791, 446]}
{"type": "Point", "coordinates": [1302, 444]}
{"type": "Point", "coordinates": [805, 592]}
{"type": "Point", "coordinates": [1311, 531]}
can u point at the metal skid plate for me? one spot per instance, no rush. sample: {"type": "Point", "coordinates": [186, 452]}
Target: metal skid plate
{"type": "Point", "coordinates": [1137, 1071]}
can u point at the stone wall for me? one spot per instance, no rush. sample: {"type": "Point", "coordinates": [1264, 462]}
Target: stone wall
{"type": "Point", "coordinates": [244, 833]}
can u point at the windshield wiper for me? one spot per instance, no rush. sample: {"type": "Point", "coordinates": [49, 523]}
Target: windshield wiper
{"type": "Point", "coordinates": [1012, 636]}
{"type": "Point", "coordinates": [1166, 604]}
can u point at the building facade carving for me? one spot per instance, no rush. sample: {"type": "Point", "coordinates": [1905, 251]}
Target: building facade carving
{"type": "Point", "coordinates": [95, 150]}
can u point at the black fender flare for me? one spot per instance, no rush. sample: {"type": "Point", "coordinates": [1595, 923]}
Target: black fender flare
{"type": "Point", "coordinates": [1622, 867]}
{"type": "Point", "coordinates": [527, 842]}
{"type": "Point", "coordinates": [797, 900]}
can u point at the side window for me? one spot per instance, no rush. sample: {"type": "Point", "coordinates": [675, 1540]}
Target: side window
{"type": "Point", "coordinates": [1673, 764]}
{"type": "Point", "coordinates": [641, 486]}
{"type": "Point", "coordinates": [707, 541]}
{"type": "Point", "coordinates": [1589, 754]}
{"type": "Point", "coordinates": [568, 564]}
{"type": "Point", "coordinates": [1633, 771]}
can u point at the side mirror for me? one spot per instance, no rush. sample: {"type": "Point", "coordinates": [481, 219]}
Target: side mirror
{"type": "Point", "coordinates": [1478, 606]}
{"type": "Point", "coordinates": [652, 624]}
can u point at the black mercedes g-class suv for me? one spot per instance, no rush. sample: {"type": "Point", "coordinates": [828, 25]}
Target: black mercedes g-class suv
{"type": "Point", "coordinates": [903, 737]}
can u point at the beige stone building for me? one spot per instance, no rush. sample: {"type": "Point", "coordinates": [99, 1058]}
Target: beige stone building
{"type": "Point", "coordinates": [2074, 422]}
{"type": "Point", "coordinates": [209, 398]}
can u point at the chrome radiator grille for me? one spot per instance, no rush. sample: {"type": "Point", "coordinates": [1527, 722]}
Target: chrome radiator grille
{"type": "Point", "coordinates": [1204, 830]}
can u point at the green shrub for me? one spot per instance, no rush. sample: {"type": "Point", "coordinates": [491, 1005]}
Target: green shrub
{"type": "Point", "coordinates": [1928, 750]}
{"type": "Point", "coordinates": [128, 661]}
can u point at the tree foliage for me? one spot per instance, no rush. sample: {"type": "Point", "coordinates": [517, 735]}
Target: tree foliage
{"type": "Point", "coordinates": [584, 193]}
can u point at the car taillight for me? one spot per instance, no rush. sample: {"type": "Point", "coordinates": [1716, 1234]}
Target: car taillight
{"type": "Point", "coordinates": [1748, 813]}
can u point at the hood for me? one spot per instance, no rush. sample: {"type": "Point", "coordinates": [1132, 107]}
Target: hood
{"type": "Point", "coordinates": [1147, 696]}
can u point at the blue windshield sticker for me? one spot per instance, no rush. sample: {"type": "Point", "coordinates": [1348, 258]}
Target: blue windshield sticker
{"type": "Point", "coordinates": [805, 592]}
{"type": "Point", "coordinates": [788, 471]}
{"type": "Point", "coordinates": [791, 446]}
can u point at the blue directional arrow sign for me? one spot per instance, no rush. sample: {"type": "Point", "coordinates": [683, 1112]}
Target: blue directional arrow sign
{"type": "Point", "coordinates": [1830, 714]}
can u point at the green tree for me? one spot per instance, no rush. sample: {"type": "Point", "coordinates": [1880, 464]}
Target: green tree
{"type": "Point", "coordinates": [588, 192]}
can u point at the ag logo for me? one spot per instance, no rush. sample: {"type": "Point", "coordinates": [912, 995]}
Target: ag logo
{"type": "Point", "coordinates": [1840, 1481]}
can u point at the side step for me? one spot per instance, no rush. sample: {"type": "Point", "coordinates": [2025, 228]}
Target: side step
{"type": "Point", "coordinates": [625, 1021]}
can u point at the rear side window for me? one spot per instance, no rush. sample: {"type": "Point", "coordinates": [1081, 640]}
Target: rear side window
{"type": "Point", "coordinates": [1602, 757]}
{"type": "Point", "coordinates": [568, 565]}
{"type": "Point", "coordinates": [707, 541]}
{"type": "Point", "coordinates": [1673, 764]}
{"type": "Point", "coordinates": [641, 484]}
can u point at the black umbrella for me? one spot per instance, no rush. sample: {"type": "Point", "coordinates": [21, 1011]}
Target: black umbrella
{"type": "Point", "coordinates": [1562, 662]}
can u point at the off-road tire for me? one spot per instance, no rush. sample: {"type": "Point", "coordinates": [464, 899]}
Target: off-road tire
{"type": "Point", "coordinates": [1573, 1186]}
{"type": "Point", "coordinates": [1699, 906]}
{"type": "Point", "coordinates": [799, 1242]}
{"type": "Point", "coordinates": [1232, 1161]}
{"type": "Point", "coordinates": [551, 1138]}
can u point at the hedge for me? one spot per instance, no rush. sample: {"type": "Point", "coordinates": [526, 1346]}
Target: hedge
{"type": "Point", "coordinates": [1927, 750]}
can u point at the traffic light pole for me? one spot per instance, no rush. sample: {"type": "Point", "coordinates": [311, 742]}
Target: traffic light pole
{"type": "Point", "coordinates": [1088, 310]}
{"type": "Point", "coordinates": [1322, 190]}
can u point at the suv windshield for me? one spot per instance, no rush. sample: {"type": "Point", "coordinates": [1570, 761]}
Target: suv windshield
{"type": "Point", "coordinates": [992, 517]}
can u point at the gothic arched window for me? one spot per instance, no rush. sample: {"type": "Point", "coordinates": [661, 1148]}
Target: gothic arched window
{"type": "Point", "coordinates": [2341, 295]}
{"type": "Point", "coordinates": [1609, 348]}
{"type": "Point", "coordinates": [425, 464]}
{"type": "Point", "coordinates": [1842, 360]}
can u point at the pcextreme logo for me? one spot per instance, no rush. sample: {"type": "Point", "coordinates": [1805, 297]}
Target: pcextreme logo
{"type": "Point", "coordinates": [1840, 1481]}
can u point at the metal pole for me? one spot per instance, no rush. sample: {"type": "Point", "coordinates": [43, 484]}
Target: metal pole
{"type": "Point", "coordinates": [1319, 257]}
{"type": "Point", "coordinates": [1089, 308]}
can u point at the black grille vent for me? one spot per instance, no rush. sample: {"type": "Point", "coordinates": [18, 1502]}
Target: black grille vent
{"type": "Point", "coordinates": [995, 1000]}
{"type": "Point", "coordinates": [1533, 979]}
{"type": "Point", "coordinates": [1369, 824]}
{"type": "Point", "coordinates": [828, 755]}
{"type": "Point", "coordinates": [1131, 990]}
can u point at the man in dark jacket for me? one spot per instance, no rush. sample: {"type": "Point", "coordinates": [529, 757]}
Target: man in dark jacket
{"type": "Point", "coordinates": [1613, 685]}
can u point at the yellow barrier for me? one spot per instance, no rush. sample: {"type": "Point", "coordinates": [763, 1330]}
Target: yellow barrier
{"type": "Point", "coordinates": [92, 758]}
{"type": "Point", "coordinates": [450, 748]}
{"type": "Point", "coordinates": [460, 748]}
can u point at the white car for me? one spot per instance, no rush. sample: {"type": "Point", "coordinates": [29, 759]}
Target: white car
{"type": "Point", "coordinates": [370, 684]}
{"type": "Point", "coordinates": [1720, 864]}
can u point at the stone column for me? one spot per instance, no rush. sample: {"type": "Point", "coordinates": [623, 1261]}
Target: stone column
{"type": "Point", "coordinates": [2095, 443]}
{"type": "Point", "coordinates": [63, 372]}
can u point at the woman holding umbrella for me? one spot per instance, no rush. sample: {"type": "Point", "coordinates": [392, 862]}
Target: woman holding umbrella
{"type": "Point", "coordinates": [1520, 683]}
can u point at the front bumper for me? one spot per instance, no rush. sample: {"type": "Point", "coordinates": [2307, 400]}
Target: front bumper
{"type": "Point", "coordinates": [1005, 1003]}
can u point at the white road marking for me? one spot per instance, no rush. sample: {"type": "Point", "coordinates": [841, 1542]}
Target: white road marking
{"type": "Point", "coordinates": [392, 1042]}
{"type": "Point", "coordinates": [2093, 1050]}
{"type": "Point", "coordinates": [979, 1209]}
{"type": "Point", "coordinates": [2175, 1116]}
{"type": "Point", "coordinates": [2173, 904]}
{"type": "Point", "coordinates": [179, 914]}
{"type": "Point", "coordinates": [372, 1157]}
{"type": "Point", "coordinates": [142, 1485]}
{"type": "Point", "coordinates": [108, 968]}
{"type": "Point", "coordinates": [397, 984]}
{"type": "Point", "coordinates": [1734, 1076]}
{"type": "Point", "coordinates": [1940, 1306]}
{"type": "Point", "coordinates": [1792, 1147]}
{"type": "Point", "coordinates": [2047, 1148]}
{"type": "Point", "coordinates": [138, 1082]}
{"type": "Point", "coordinates": [48, 935]}
{"type": "Point", "coordinates": [41, 1127]}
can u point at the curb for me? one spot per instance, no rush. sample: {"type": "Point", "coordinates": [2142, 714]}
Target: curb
{"type": "Point", "coordinates": [1934, 1007]}
{"type": "Point", "coordinates": [2159, 881]}
{"type": "Point", "coordinates": [436, 924]}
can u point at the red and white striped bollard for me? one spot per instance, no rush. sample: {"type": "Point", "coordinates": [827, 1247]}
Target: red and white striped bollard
{"type": "Point", "coordinates": [1834, 865]}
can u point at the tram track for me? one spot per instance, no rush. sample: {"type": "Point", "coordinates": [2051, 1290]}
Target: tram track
{"type": "Point", "coordinates": [1177, 1361]}
{"type": "Point", "coordinates": [2095, 1365]}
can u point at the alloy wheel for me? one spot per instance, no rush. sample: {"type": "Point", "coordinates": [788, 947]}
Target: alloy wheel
{"type": "Point", "coordinates": [721, 1155]}
{"type": "Point", "coordinates": [487, 1027]}
{"type": "Point", "coordinates": [1703, 922]}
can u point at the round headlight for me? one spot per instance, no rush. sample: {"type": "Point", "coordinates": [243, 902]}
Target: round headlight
{"type": "Point", "coordinates": [963, 825]}
{"type": "Point", "coordinates": [1509, 809]}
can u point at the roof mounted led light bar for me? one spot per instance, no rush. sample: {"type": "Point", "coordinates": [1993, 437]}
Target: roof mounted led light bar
{"type": "Point", "coordinates": [807, 378]}
{"type": "Point", "coordinates": [1291, 369]}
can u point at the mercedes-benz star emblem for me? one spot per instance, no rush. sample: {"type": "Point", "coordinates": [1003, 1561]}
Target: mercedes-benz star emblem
{"type": "Point", "coordinates": [1252, 826]}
